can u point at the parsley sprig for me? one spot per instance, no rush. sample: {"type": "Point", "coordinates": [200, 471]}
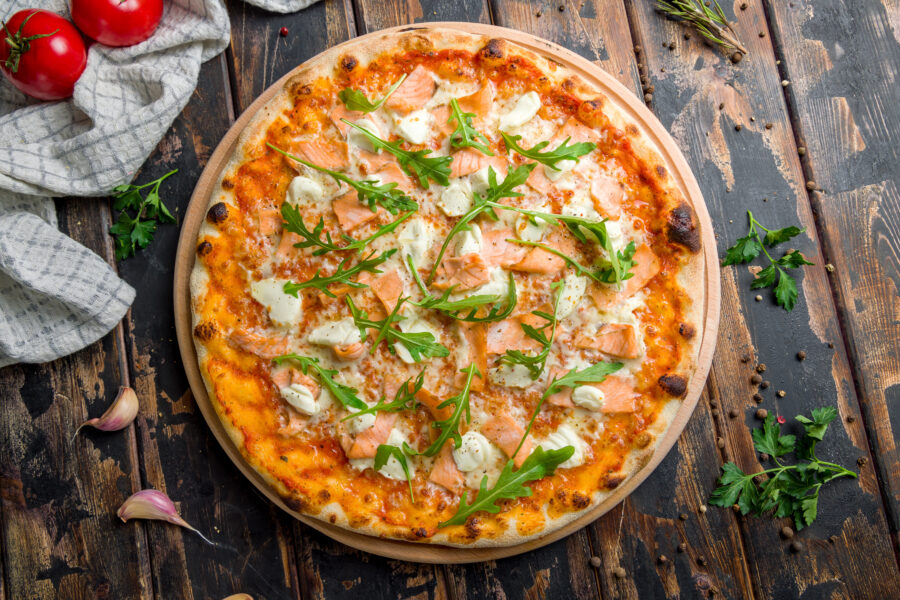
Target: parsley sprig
{"type": "Point", "coordinates": [747, 248]}
{"type": "Point", "coordinates": [467, 309]}
{"type": "Point", "coordinates": [466, 136]}
{"type": "Point", "coordinates": [356, 100]}
{"type": "Point", "coordinates": [404, 399]}
{"type": "Point", "coordinates": [535, 362]}
{"type": "Point", "coordinates": [789, 490]}
{"type": "Point", "coordinates": [342, 275]}
{"type": "Point", "coordinates": [321, 240]}
{"type": "Point", "coordinates": [511, 484]}
{"type": "Point", "coordinates": [344, 394]}
{"type": "Point", "coordinates": [450, 426]}
{"type": "Point", "coordinates": [413, 162]}
{"type": "Point", "coordinates": [384, 453]}
{"type": "Point", "coordinates": [387, 195]}
{"type": "Point", "coordinates": [419, 344]}
{"type": "Point", "coordinates": [550, 158]}
{"type": "Point", "coordinates": [136, 232]}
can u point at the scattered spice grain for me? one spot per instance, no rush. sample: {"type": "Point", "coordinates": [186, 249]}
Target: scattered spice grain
{"type": "Point", "coordinates": [596, 562]}
{"type": "Point", "coordinates": [801, 355]}
{"type": "Point", "coordinates": [682, 547]}
{"type": "Point", "coordinates": [755, 379]}
{"type": "Point", "coordinates": [765, 384]}
{"type": "Point", "coordinates": [786, 532]}
{"type": "Point", "coordinates": [733, 413]}
{"type": "Point", "coordinates": [761, 413]}
{"type": "Point", "coordinates": [796, 547]}
{"type": "Point", "coordinates": [736, 57]}
{"type": "Point", "coordinates": [781, 393]}
{"type": "Point", "coordinates": [619, 572]}
{"type": "Point", "coordinates": [720, 442]}
{"type": "Point", "coordinates": [761, 368]}
{"type": "Point", "coordinates": [757, 397]}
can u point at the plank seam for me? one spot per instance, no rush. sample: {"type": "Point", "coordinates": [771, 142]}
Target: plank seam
{"type": "Point", "coordinates": [836, 298]}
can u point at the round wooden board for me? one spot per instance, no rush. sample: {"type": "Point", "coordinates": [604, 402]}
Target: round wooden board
{"type": "Point", "coordinates": [422, 552]}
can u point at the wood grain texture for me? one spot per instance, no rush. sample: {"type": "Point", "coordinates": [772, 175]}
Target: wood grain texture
{"type": "Point", "coordinates": [843, 61]}
{"type": "Point", "coordinates": [738, 169]}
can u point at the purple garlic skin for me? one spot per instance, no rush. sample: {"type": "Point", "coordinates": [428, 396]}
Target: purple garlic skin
{"type": "Point", "coordinates": [119, 415]}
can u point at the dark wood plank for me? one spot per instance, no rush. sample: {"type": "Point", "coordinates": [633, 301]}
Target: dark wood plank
{"type": "Point", "coordinates": [842, 61]}
{"type": "Point", "coordinates": [757, 168]}
{"type": "Point", "coordinates": [59, 495]}
{"type": "Point", "coordinates": [634, 535]}
{"type": "Point", "coordinates": [380, 14]}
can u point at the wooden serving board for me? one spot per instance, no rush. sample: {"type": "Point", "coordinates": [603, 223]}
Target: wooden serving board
{"type": "Point", "coordinates": [432, 553]}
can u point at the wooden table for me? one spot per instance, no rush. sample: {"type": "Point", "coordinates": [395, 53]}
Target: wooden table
{"type": "Point", "coordinates": [819, 109]}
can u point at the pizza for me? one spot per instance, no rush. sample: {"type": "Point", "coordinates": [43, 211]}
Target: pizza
{"type": "Point", "coordinates": [446, 291]}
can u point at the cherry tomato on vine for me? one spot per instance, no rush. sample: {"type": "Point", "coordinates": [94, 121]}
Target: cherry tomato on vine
{"type": "Point", "coordinates": [42, 54]}
{"type": "Point", "coordinates": [117, 22]}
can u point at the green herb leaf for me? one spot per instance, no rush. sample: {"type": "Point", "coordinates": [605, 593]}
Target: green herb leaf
{"type": "Point", "coordinates": [419, 344]}
{"type": "Point", "coordinates": [356, 100]}
{"type": "Point", "coordinates": [342, 275]}
{"type": "Point", "coordinates": [786, 291]}
{"type": "Point", "coordinates": [473, 304]}
{"type": "Point", "coordinates": [768, 439]}
{"type": "Point", "coordinates": [415, 163]}
{"type": "Point", "coordinates": [344, 394]}
{"type": "Point", "coordinates": [134, 232]}
{"type": "Point", "coordinates": [778, 236]}
{"type": "Point", "coordinates": [535, 362]}
{"type": "Point", "coordinates": [404, 399]}
{"type": "Point", "coordinates": [384, 452]}
{"type": "Point", "coordinates": [744, 250]}
{"type": "Point", "coordinates": [511, 484]}
{"type": "Point", "coordinates": [821, 417]}
{"type": "Point", "coordinates": [550, 158]}
{"type": "Point", "coordinates": [466, 136]}
{"type": "Point", "coordinates": [450, 426]}
{"type": "Point", "coordinates": [293, 222]}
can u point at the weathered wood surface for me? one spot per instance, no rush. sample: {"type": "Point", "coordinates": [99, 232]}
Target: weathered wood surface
{"type": "Point", "coordinates": [58, 497]}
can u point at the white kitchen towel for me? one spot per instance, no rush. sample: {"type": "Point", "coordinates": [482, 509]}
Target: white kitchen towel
{"type": "Point", "coordinates": [56, 296]}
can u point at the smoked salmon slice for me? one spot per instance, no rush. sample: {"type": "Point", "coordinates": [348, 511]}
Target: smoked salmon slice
{"type": "Point", "coordinates": [330, 155]}
{"type": "Point", "coordinates": [464, 272]}
{"type": "Point", "coordinates": [506, 434]}
{"type": "Point", "coordinates": [442, 120]}
{"type": "Point", "coordinates": [286, 245]}
{"type": "Point", "coordinates": [366, 443]}
{"type": "Point", "coordinates": [476, 337]}
{"type": "Point", "coordinates": [350, 351]}
{"type": "Point", "coordinates": [444, 471]}
{"type": "Point", "coordinates": [497, 252]}
{"type": "Point", "coordinates": [342, 112]}
{"type": "Point", "coordinates": [432, 402]}
{"type": "Point", "coordinates": [577, 132]}
{"type": "Point", "coordinates": [291, 423]}
{"type": "Point", "coordinates": [351, 213]}
{"type": "Point", "coordinates": [413, 93]}
{"type": "Point", "coordinates": [537, 180]}
{"type": "Point", "coordinates": [371, 162]}
{"type": "Point", "coordinates": [618, 395]}
{"type": "Point", "coordinates": [479, 103]}
{"type": "Point", "coordinates": [646, 267]}
{"type": "Point", "coordinates": [387, 288]}
{"type": "Point", "coordinates": [509, 335]}
{"type": "Point", "coordinates": [260, 345]}
{"type": "Point", "coordinates": [390, 172]}
{"type": "Point", "coordinates": [269, 221]}
{"type": "Point", "coordinates": [615, 339]}
{"type": "Point", "coordinates": [539, 260]}
{"type": "Point", "coordinates": [467, 161]}
{"type": "Point", "coordinates": [564, 396]}
{"type": "Point", "coordinates": [607, 195]}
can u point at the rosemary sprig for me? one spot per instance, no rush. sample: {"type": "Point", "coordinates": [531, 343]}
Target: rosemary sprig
{"type": "Point", "coordinates": [420, 344]}
{"type": "Point", "coordinates": [404, 399]}
{"type": "Point", "coordinates": [388, 195]}
{"type": "Point", "coordinates": [551, 157]}
{"type": "Point", "coordinates": [455, 308]}
{"type": "Point", "coordinates": [417, 163]}
{"type": "Point", "coordinates": [536, 362]}
{"type": "Point", "coordinates": [345, 394]}
{"type": "Point", "coordinates": [342, 275]}
{"type": "Point", "coordinates": [466, 136]}
{"type": "Point", "coordinates": [357, 101]}
{"type": "Point", "coordinates": [293, 222]}
{"type": "Point", "coordinates": [709, 21]}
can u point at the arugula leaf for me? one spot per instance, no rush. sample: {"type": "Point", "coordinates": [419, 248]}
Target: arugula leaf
{"type": "Point", "coordinates": [404, 399]}
{"type": "Point", "coordinates": [293, 222]}
{"type": "Point", "coordinates": [749, 247]}
{"type": "Point", "coordinates": [136, 232]}
{"type": "Point", "coordinates": [417, 163]}
{"type": "Point", "coordinates": [345, 394]}
{"type": "Point", "coordinates": [341, 275]}
{"type": "Point", "coordinates": [356, 100]}
{"type": "Point", "coordinates": [466, 136]}
{"type": "Point", "coordinates": [388, 195]}
{"type": "Point", "coordinates": [511, 484]}
{"type": "Point", "coordinates": [789, 490]}
{"type": "Point", "coordinates": [384, 452]}
{"type": "Point", "coordinates": [455, 308]}
{"type": "Point", "coordinates": [419, 344]}
{"type": "Point", "coordinates": [450, 426]}
{"type": "Point", "coordinates": [551, 157]}
{"type": "Point", "coordinates": [535, 362]}
{"type": "Point", "coordinates": [607, 271]}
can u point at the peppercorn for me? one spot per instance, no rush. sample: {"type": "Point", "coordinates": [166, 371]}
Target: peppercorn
{"type": "Point", "coordinates": [796, 546]}
{"type": "Point", "coordinates": [861, 461]}
{"type": "Point", "coordinates": [801, 355]}
{"type": "Point", "coordinates": [755, 379]}
{"type": "Point", "coordinates": [761, 368]}
{"type": "Point", "coordinates": [596, 562]}
{"type": "Point", "coordinates": [648, 98]}
{"type": "Point", "coordinates": [283, 31]}
{"type": "Point", "coordinates": [765, 384]}
{"type": "Point", "coordinates": [682, 547]}
{"type": "Point", "coordinates": [763, 457]}
{"type": "Point", "coordinates": [637, 49]}
{"type": "Point", "coordinates": [801, 151]}
{"type": "Point", "coordinates": [743, 6]}
{"type": "Point", "coordinates": [662, 559]}
{"type": "Point", "coordinates": [810, 185]}
{"type": "Point", "coordinates": [851, 419]}
{"type": "Point", "coordinates": [683, 516]}
{"type": "Point", "coordinates": [785, 83]}
{"type": "Point", "coordinates": [721, 105]}
{"type": "Point", "coordinates": [714, 412]}
{"type": "Point", "coordinates": [619, 572]}
{"type": "Point", "coordinates": [761, 413]}
{"type": "Point", "coordinates": [781, 393]}
{"type": "Point", "coordinates": [736, 57]}
{"type": "Point", "coordinates": [769, 125]}
{"type": "Point", "coordinates": [733, 413]}
{"type": "Point", "coordinates": [702, 508]}
{"type": "Point", "coordinates": [562, 8]}
{"type": "Point", "coordinates": [758, 397]}
{"type": "Point", "coordinates": [786, 532]}
{"type": "Point", "coordinates": [738, 127]}
{"type": "Point", "coordinates": [720, 442]}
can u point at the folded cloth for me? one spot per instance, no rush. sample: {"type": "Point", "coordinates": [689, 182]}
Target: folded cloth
{"type": "Point", "coordinates": [56, 296]}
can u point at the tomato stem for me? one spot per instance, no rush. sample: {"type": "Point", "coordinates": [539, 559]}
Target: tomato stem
{"type": "Point", "coordinates": [19, 45]}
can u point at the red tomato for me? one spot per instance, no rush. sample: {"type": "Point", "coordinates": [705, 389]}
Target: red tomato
{"type": "Point", "coordinates": [117, 22]}
{"type": "Point", "coordinates": [43, 54]}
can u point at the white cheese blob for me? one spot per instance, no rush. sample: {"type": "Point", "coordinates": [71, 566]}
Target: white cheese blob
{"type": "Point", "coordinates": [532, 231]}
{"type": "Point", "coordinates": [300, 398]}
{"type": "Point", "coordinates": [588, 397]}
{"type": "Point", "coordinates": [469, 241]}
{"type": "Point", "coordinates": [572, 294]}
{"type": "Point", "coordinates": [414, 127]}
{"type": "Point", "coordinates": [526, 107]}
{"type": "Point", "coordinates": [335, 333]}
{"type": "Point", "coordinates": [517, 376]}
{"type": "Point", "coordinates": [359, 424]}
{"type": "Point", "coordinates": [473, 453]}
{"type": "Point", "coordinates": [614, 231]}
{"type": "Point", "coordinates": [581, 206]}
{"type": "Point", "coordinates": [498, 285]}
{"type": "Point", "coordinates": [415, 240]}
{"type": "Point", "coordinates": [456, 199]}
{"type": "Point", "coordinates": [283, 309]}
{"type": "Point", "coordinates": [481, 181]}
{"type": "Point", "coordinates": [564, 167]}
{"type": "Point", "coordinates": [303, 191]}
{"type": "Point", "coordinates": [413, 324]}
{"type": "Point", "coordinates": [357, 138]}
{"type": "Point", "coordinates": [392, 469]}
{"type": "Point", "coordinates": [566, 436]}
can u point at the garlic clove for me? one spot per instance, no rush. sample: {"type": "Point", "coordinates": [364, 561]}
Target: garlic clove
{"type": "Point", "coordinates": [239, 597]}
{"type": "Point", "coordinates": [119, 415]}
{"type": "Point", "coordinates": [154, 505]}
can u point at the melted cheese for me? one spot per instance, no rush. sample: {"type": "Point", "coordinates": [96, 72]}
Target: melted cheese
{"type": "Point", "coordinates": [470, 241]}
{"type": "Point", "coordinates": [359, 424]}
{"type": "Point", "coordinates": [563, 166]}
{"type": "Point", "coordinates": [572, 294]}
{"type": "Point", "coordinates": [588, 397]}
{"type": "Point", "coordinates": [526, 107]}
{"type": "Point", "coordinates": [474, 452]}
{"type": "Point", "coordinates": [517, 376]}
{"type": "Point", "coordinates": [283, 309]}
{"type": "Point", "coordinates": [357, 138]}
{"type": "Point", "coordinates": [335, 333]}
{"type": "Point", "coordinates": [566, 436]}
{"type": "Point", "coordinates": [415, 240]}
{"type": "Point", "coordinates": [392, 469]}
{"type": "Point", "coordinates": [303, 191]}
{"type": "Point", "coordinates": [415, 127]}
{"type": "Point", "coordinates": [456, 199]}
{"type": "Point", "coordinates": [300, 398]}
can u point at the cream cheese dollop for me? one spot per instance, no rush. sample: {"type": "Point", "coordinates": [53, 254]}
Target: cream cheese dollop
{"type": "Point", "coordinates": [283, 308]}
{"type": "Point", "coordinates": [473, 453]}
{"type": "Point", "coordinates": [300, 398]}
{"type": "Point", "coordinates": [526, 107]}
{"type": "Point", "coordinates": [566, 436]}
{"type": "Point", "coordinates": [335, 333]}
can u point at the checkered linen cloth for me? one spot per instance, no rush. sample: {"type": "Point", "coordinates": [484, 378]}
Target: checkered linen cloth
{"type": "Point", "coordinates": [56, 296]}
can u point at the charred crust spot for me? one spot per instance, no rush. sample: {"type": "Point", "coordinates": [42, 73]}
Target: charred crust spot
{"type": "Point", "coordinates": [682, 229]}
{"type": "Point", "coordinates": [205, 331]}
{"type": "Point", "coordinates": [568, 84]}
{"type": "Point", "coordinates": [590, 112]}
{"type": "Point", "coordinates": [348, 63]}
{"type": "Point", "coordinates": [217, 213]}
{"type": "Point", "coordinates": [631, 129]}
{"type": "Point", "coordinates": [295, 504]}
{"type": "Point", "coordinates": [420, 532]}
{"type": "Point", "coordinates": [580, 501]}
{"type": "Point", "coordinates": [687, 330]}
{"type": "Point", "coordinates": [324, 495]}
{"type": "Point", "coordinates": [614, 479]}
{"type": "Point", "coordinates": [473, 527]}
{"type": "Point", "coordinates": [493, 50]}
{"type": "Point", "coordinates": [204, 248]}
{"type": "Point", "coordinates": [661, 171]}
{"type": "Point", "coordinates": [643, 439]}
{"type": "Point", "coordinates": [675, 385]}
{"type": "Point", "coordinates": [227, 184]}
{"type": "Point", "coordinates": [333, 519]}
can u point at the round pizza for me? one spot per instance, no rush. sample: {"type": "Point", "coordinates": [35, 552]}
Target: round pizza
{"type": "Point", "coordinates": [446, 291]}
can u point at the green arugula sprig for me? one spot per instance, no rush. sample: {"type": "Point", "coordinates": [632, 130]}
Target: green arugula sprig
{"type": "Point", "coordinates": [413, 162]}
{"type": "Point", "coordinates": [136, 232]}
{"type": "Point", "coordinates": [455, 309]}
{"type": "Point", "coordinates": [595, 373]}
{"type": "Point", "coordinates": [535, 362]}
{"type": "Point", "coordinates": [345, 394]}
{"type": "Point", "coordinates": [342, 275]}
{"type": "Point", "coordinates": [511, 484]}
{"type": "Point", "coordinates": [789, 490]}
{"type": "Point", "coordinates": [550, 158]}
{"type": "Point", "coordinates": [747, 248]}
{"type": "Point", "coordinates": [419, 344]}
{"type": "Point", "coordinates": [466, 136]}
{"type": "Point", "coordinates": [321, 240]}
{"type": "Point", "coordinates": [404, 399]}
{"type": "Point", "coordinates": [387, 195]}
{"type": "Point", "coordinates": [450, 426]}
{"type": "Point", "coordinates": [357, 101]}
{"type": "Point", "coordinates": [384, 453]}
